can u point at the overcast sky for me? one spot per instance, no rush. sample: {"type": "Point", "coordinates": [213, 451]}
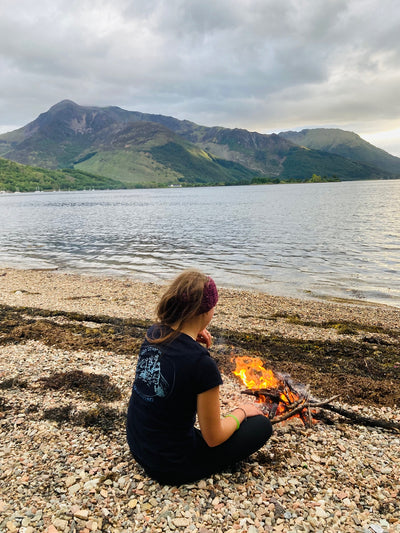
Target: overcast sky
{"type": "Point", "coordinates": [263, 65]}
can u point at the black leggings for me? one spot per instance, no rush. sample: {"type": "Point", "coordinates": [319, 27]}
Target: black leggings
{"type": "Point", "coordinates": [250, 437]}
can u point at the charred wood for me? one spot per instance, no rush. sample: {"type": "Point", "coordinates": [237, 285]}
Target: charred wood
{"type": "Point", "coordinates": [273, 394]}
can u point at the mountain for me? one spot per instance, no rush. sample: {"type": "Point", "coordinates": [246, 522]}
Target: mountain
{"type": "Point", "coordinates": [142, 149]}
{"type": "Point", "coordinates": [23, 178]}
{"type": "Point", "coordinates": [119, 144]}
{"type": "Point", "coordinates": [346, 144]}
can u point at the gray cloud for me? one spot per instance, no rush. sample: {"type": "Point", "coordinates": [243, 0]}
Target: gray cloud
{"type": "Point", "coordinates": [258, 64]}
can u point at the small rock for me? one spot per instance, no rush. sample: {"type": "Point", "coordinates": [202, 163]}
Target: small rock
{"type": "Point", "coordinates": [70, 480]}
{"type": "Point", "coordinates": [91, 484]}
{"type": "Point", "coordinates": [3, 506]}
{"type": "Point", "coordinates": [321, 513]}
{"type": "Point", "coordinates": [376, 528]}
{"type": "Point", "coordinates": [59, 523]}
{"type": "Point", "coordinates": [83, 514]}
{"type": "Point", "coordinates": [74, 488]}
{"type": "Point", "coordinates": [180, 522]}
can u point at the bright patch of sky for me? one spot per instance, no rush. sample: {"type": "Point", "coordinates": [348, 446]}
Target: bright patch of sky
{"type": "Point", "coordinates": [262, 65]}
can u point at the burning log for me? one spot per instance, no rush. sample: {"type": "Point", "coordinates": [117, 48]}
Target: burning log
{"type": "Point", "coordinates": [300, 408]}
{"type": "Point", "coordinates": [277, 394]}
{"type": "Point", "coordinates": [281, 400]}
{"type": "Point", "coordinates": [273, 394]}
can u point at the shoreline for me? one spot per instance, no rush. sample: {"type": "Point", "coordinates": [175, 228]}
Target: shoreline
{"type": "Point", "coordinates": [127, 297]}
{"type": "Point", "coordinates": [65, 464]}
{"type": "Point", "coordinates": [302, 295]}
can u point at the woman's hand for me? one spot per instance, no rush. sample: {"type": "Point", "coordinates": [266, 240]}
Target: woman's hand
{"type": "Point", "coordinates": [216, 430]}
{"type": "Point", "coordinates": [204, 337]}
{"type": "Point", "coordinates": [250, 409]}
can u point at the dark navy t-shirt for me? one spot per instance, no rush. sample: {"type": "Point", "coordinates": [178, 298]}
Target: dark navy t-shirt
{"type": "Point", "coordinates": [162, 408]}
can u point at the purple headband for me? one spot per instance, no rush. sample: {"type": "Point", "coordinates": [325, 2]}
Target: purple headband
{"type": "Point", "coordinates": [210, 296]}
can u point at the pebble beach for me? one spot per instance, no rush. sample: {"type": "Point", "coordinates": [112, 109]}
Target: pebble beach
{"type": "Point", "coordinates": [64, 462]}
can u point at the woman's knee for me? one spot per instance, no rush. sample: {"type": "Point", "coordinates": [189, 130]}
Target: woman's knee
{"type": "Point", "coordinates": [261, 427]}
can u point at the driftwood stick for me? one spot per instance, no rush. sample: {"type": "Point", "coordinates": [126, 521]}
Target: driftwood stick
{"type": "Point", "coordinates": [297, 407]}
{"type": "Point", "coordinates": [293, 405]}
{"type": "Point", "coordinates": [358, 419]}
{"type": "Point", "coordinates": [289, 408]}
{"type": "Point", "coordinates": [288, 414]}
{"type": "Point", "coordinates": [321, 403]}
{"type": "Point", "coordinates": [363, 420]}
{"type": "Point", "coordinates": [301, 405]}
{"type": "Point", "coordinates": [307, 405]}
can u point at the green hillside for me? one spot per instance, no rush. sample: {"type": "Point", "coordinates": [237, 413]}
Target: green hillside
{"type": "Point", "coordinates": [17, 177]}
{"type": "Point", "coordinates": [300, 163]}
{"type": "Point", "coordinates": [346, 144]}
{"type": "Point", "coordinates": [149, 154]}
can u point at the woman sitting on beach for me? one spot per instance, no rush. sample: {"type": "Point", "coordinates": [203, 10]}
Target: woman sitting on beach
{"type": "Point", "coordinates": [177, 378]}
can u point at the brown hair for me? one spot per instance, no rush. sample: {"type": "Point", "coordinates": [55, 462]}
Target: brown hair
{"type": "Point", "coordinates": [181, 301]}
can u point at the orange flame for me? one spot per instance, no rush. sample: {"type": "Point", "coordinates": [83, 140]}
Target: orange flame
{"type": "Point", "coordinates": [254, 375]}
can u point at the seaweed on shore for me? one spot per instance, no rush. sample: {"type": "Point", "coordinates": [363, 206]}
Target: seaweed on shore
{"type": "Point", "coordinates": [19, 324]}
{"type": "Point", "coordinates": [344, 327]}
{"type": "Point", "coordinates": [58, 414]}
{"type": "Point", "coordinates": [102, 417]}
{"type": "Point", "coordinates": [363, 369]}
{"type": "Point", "coordinates": [13, 383]}
{"type": "Point", "coordinates": [94, 387]}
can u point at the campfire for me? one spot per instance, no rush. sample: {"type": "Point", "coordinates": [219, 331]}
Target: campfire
{"type": "Point", "coordinates": [279, 397]}
{"type": "Point", "coordinates": [282, 399]}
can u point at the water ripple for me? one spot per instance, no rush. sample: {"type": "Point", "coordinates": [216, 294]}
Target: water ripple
{"type": "Point", "coordinates": [324, 240]}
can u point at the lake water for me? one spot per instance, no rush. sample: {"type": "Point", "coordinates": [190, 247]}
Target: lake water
{"type": "Point", "coordinates": [329, 240]}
